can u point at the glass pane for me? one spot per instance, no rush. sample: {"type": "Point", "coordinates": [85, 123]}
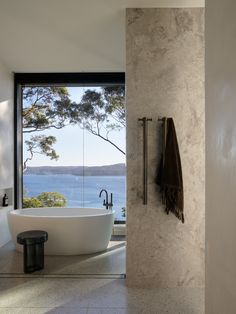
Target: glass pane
{"type": "Point", "coordinates": [74, 146]}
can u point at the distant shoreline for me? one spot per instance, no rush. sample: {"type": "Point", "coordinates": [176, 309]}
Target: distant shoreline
{"type": "Point", "coordinates": [107, 170]}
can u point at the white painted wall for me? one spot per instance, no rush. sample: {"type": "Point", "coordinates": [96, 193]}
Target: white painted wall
{"type": "Point", "coordinates": [6, 128]}
{"type": "Point", "coordinates": [220, 157]}
{"type": "Point", "coordinates": [6, 146]}
{"type": "Point", "coordinates": [69, 36]}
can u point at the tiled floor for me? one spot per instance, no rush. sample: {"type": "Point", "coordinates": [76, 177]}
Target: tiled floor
{"type": "Point", "coordinates": [94, 296]}
{"type": "Point", "coordinates": [111, 261]}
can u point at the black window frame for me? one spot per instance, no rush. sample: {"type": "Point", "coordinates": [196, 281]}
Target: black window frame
{"type": "Point", "coordinates": [43, 79]}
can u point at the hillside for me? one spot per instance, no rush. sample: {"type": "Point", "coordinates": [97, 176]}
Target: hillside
{"type": "Point", "coordinates": [109, 170]}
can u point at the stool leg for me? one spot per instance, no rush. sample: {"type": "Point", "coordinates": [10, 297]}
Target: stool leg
{"type": "Point", "coordinates": [29, 258]}
{"type": "Point", "coordinates": [39, 255]}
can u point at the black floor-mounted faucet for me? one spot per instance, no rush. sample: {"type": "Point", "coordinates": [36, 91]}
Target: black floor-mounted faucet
{"type": "Point", "coordinates": [105, 202]}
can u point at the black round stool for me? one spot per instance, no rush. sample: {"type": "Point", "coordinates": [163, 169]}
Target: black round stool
{"type": "Point", "coordinates": [33, 241]}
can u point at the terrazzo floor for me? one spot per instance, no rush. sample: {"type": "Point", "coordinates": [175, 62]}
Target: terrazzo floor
{"type": "Point", "coordinates": [67, 293]}
{"type": "Point", "coordinates": [110, 262]}
{"type": "Point", "coordinates": [94, 296]}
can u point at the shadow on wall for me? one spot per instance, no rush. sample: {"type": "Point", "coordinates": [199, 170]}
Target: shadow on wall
{"type": "Point", "coordinates": [6, 144]}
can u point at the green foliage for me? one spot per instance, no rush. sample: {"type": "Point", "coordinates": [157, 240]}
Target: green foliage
{"type": "Point", "coordinates": [47, 107]}
{"type": "Point", "coordinates": [40, 144]}
{"type": "Point", "coordinates": [45, 199]}
{"type": "Point", "coordinates": [115, 102]}
{"type": "Point", "coordinates": [52, 199]}
{"type": "Point", "coordinates": [31, 202]}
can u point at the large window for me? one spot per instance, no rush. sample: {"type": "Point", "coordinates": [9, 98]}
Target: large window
{"type": "Point", "coordinates": [72, 140]}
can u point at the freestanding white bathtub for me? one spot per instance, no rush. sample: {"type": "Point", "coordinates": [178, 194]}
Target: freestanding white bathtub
{"type": "Point", "coordinates": [71, 231]}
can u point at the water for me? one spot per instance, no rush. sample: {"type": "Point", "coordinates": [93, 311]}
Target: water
{"type": "Point", "coordinates": [79, 191]}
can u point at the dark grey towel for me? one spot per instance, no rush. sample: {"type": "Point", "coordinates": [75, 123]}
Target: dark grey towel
{"type": "Point", "coordinates": [169, 175]}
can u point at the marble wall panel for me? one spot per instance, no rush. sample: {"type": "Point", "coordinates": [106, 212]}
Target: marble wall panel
{"type": "Point", "coordinates": [165, 77]}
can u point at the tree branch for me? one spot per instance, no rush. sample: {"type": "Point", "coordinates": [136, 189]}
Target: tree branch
{"type": "Point", "coordinates": [43, 129]}
{"type": "Point", "coordinates": [29, 158]}
{"type": "Point", "coordinates": [107, 140]}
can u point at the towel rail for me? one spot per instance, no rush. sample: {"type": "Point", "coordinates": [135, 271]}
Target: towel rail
{"type": "Point", "coordinates": [164, 127]}
{"type": "Point", "coordinates": [145, 157]}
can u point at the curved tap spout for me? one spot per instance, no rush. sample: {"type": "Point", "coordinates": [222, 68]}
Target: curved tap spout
{"type": "Point", "coordinates": [105, 203]}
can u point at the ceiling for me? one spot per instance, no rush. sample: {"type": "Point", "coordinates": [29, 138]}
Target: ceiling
{"type": "Point", "coordinates": [68, 36]}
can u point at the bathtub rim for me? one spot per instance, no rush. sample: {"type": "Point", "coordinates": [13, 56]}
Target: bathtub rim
{"type": "Point", "coordinates": [18, 212]}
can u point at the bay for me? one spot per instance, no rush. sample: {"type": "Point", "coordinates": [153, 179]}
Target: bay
{"type": "Point", "coordinates": [80, 191]}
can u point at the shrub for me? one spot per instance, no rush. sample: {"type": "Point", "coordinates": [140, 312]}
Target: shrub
{"type": "Point", "coordinates": [31, 202]}
{"type": "Point", "coordinates": [45, 199]}
{"type": "Point", "coordinates": [52, 199]}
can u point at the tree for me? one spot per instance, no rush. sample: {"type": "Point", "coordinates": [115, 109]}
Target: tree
{"type": "Point", "coordinates": [45, 108]}
{"type": "Point", "coordinates": [99, 112]}
{"type": "Point", "coordinates": [45, 199]}
{"type": "Point", "coordinates": [40, 144]}
{"type": "Point", "coordinates": [52, 199]}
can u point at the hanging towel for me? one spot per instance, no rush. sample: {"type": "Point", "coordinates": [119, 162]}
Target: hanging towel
{"type": "Point", "coordinates": [169, 174]}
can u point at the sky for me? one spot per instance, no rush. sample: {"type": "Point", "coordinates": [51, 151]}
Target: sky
{"type": "Point", "coordinates": [78, 147]}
